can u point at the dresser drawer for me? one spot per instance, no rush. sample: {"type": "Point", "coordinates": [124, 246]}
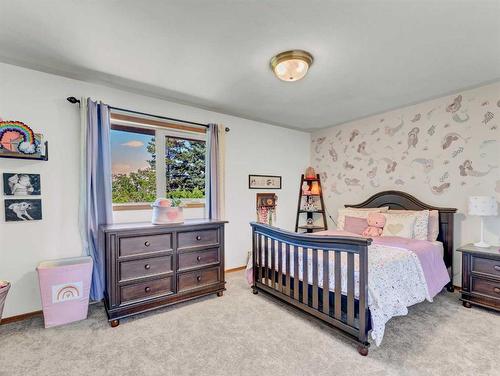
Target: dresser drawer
{"type": "Point", "coordinates": [198, 238]}
{"type": "Point", "coordinates": [194, 259]}
{"type": "Point", "coordinates": [486, 266]}
{"type": "Point", "coordinates": [146, 290]}
{"type": "Point", "coordinates": [145, 267]}
{"type": "Point", "coordinates": [135, 245]}
{"type": "Point", "coordinates": [198, 278]}
{"type": "Point", "coordinates": [486, 287]}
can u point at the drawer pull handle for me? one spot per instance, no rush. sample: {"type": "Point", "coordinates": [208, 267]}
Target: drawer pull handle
{"type": "Point", "coordinates": [147, 266]}
{"type": "Point", "coordinates": [198, 237]}
{"type": "Point", "coordinates": [497, 290]}
{"type": "Point", "coordinates": [147, 289]}
{"type": "Point", "coordinates": [198, 258]}
{"type": "Point", "coordinates": [198, 278]}
{"type": "Point", "coordinates": [147, 244]}
{"type": "Point", "coordinates": [497, 268]}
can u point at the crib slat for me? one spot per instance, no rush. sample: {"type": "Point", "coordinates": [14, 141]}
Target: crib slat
{"type": "Point", "coordinates": [280, 267]}
{"type": "Point", "coordinates": [338, 285]}
{"type": "Point", "coordinates": [363, 271]}
{"type": "Point", "coordinates": [315, 278]}
{"type": "Point", "coordinates": [305, 277]}
{"type": "Point", "coordinates": [259, 255]}
{"type": "Point", "coordinates": [287, 250]}
{"type": "Point", "coordinates": [273, 265]}
{"type": "Point", "coordinates": [296, 273]}
{"type": "Point", "coordinates": [326, 283]}
{"type": "Point", "coordinates": [350, 288]}
{"type": "Point", "coordinates": [266, 261]}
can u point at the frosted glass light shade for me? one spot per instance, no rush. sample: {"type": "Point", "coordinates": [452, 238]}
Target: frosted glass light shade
{"type": "Point", "coordinates": [291, 70]}
{"type": "Point", "coordinates": [483, 205]}
{"type": "Point", "coordinates": [291, 65]}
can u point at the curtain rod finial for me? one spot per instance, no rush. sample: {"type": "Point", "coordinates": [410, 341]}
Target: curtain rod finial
{"type": "Point", "coordinates": [72, 100]}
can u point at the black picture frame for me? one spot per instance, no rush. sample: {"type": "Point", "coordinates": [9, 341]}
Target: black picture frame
{"type": "Point", "coordinates": [32, 187]}
{"type": "Point", "coordinates": [253, 180]}
{"type": "Point", "coordinates": [20, 210]}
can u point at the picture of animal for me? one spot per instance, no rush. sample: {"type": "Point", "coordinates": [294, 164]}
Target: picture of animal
{"type": "Point", "coordinates": [23, 210]}
{"type": "Point", "coordinates": [19, 184]}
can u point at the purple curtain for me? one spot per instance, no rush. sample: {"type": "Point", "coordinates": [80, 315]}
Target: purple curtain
{"type": "Point", "coordinates": [214, 173]}
{"type": "Point", "coordinates": [95, 200]}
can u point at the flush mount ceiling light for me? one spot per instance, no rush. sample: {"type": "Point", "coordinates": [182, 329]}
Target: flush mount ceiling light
{"type": "Point", "coordinates": [291, 65]}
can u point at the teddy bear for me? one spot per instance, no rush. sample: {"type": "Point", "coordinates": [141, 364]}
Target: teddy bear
{"type": "Point", "coordinates": [376, 223]}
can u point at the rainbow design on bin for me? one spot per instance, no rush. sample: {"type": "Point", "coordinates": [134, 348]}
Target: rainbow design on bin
{"type": "Point", "coordinates": [68, 292]}
{"type": "Point", "coordinates": [16, 136]}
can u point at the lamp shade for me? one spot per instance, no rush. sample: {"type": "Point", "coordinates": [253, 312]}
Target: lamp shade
{"type": "Point", "coordinates": [483, 205]}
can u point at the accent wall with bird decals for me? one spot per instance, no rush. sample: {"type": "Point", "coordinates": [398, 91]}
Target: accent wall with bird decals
{"type": "Point", "coordinates": [441, 151]}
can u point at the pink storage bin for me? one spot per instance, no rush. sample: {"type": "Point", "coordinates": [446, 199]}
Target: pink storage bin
{"type": "Point", "coordinates": [65, 288]}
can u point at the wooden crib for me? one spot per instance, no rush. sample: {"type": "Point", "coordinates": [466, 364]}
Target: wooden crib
{"type": "Point", "coordinates": [343, 311]}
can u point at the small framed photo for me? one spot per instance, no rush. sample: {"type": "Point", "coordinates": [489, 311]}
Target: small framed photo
{"type": "Point", "coordinates": [266, 200]}
{"type": "Point", "coordinates": [264, 182]}
{"type": "Point", "coordinates": [19, 184]}
{"type": "Point", "coordinates": [23, 210]}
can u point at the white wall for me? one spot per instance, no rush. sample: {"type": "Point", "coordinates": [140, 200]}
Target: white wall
{"type": "Point", "coordinates": [445, 133]}
{"type": "Point", "coordinates": [38, 99]}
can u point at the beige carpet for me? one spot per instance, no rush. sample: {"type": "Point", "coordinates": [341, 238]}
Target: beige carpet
{"type": "Point", "coordinates": [246, 334]}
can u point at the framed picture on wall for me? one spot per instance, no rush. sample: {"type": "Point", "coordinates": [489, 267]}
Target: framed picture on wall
{"type": "Point", "coordinates": [23, 210]}
{"type": "Point", "coordinates": [20, 184]}
{"type": "Point", "coordinates": [264, 182]}
{"type": "Point", "coordinates": [266, 200]}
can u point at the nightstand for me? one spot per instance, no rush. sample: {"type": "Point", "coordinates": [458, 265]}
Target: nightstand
{"type": "Point", "coordinates": [480, 276]}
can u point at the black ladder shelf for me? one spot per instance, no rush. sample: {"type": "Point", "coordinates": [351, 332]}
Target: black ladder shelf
{"type": "Point", "coordinates": [309, 214]}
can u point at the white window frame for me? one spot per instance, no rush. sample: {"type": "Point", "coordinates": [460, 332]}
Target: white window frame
{"type": "Point", "coordinates": [160, 135]}
{"type": "Point", "coordinates": [161, 179]}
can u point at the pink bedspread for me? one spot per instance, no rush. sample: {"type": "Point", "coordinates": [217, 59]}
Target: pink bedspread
{"type": "Point", "coordinates": [428, 253]}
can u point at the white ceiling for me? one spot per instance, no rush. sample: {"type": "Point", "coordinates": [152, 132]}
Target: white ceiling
{"type": "Point", "coordinates": [370, 56]}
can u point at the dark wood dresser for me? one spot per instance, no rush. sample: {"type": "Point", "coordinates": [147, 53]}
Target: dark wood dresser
{"type": "Point", "coordinates": [152, 266]}
{"type": "Point", "coordinates": [480, 276]}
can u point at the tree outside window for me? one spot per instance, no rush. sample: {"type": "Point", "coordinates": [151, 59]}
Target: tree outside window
{"type": "Point", "coordinates": [136, 176]}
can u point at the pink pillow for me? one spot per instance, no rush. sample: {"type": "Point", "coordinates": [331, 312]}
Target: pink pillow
{"type": "Point", "coordinates": [355, 225]}
{"type": "Point", "coordinates": [433, 227]}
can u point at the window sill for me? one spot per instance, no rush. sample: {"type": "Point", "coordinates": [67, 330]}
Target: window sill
{"type": "Point", "coordinates": [139, 206]}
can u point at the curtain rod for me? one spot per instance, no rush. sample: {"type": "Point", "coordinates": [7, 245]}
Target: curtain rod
{"type": "Point", "coordinates": [74, 100]}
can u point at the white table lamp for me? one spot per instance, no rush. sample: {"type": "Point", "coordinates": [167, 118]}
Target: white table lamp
{"type": "Point", "coordinates": [482, 206]}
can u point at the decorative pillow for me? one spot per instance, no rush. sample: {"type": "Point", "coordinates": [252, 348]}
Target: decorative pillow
{"type": "Point", "coordinates": [399, 225]}
{"type": "Point", "coordinates": [433, 229]}
{"type": "Point", "coordinates": [355, 225]}
{"type": "Point", "coordinates": [358, 213]}
{"type": "Point", "coordinates": [421, 229]}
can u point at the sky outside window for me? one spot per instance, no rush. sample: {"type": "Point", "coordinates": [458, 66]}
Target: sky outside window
{"type": "Point", "coordinates": [129, 151]}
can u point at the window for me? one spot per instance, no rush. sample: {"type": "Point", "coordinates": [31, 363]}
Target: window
{"type": "Point", "coordinates": [133, 165]}
{"type": "Point", "coordinates": [185, 168]}
{"type": "Point", "coordinates": [138, 144]}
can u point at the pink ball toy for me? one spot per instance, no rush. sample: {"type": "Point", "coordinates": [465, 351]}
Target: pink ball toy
{"type": "Point", "coordinates": [163, 202]}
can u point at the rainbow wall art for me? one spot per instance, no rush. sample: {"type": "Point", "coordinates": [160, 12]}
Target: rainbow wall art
{"type": "Point", "coordinates": [17, 138]}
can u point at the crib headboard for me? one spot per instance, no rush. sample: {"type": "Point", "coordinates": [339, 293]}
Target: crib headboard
{"type": "Point", "coordinates": [403, 201]}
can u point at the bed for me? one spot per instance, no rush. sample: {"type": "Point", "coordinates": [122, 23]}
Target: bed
{"type": "Point", "coordinates": [341, 261]}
